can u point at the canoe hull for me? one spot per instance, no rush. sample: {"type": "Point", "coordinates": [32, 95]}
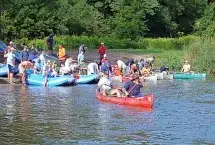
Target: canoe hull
{"type": "Point", "coordinates": [4, 70]}
{"type": "Point", "coordinates": [150, 79]}
{"type": "Point", "coordinates": [159, 76]}
{"type": "Point", "coordinates": [88, 79]}
{"type": "Point", "coordinates": [144, 102]}
{"type": "Point", "coordinates": [168, 77]}
{"type": "Point", "coordinates": [38, 80]}
{"type": "Point", "coordinates": [188, 76]}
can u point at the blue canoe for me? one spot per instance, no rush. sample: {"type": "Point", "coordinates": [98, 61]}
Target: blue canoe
{"type": "Point", "coordinates": [4, 70]}
{"type": "Point", "coordinates": [38, 80]}
{"type": "Point", "coordinates": [180, 75]}
{"type": "Point", "coordinates": [87, 79]}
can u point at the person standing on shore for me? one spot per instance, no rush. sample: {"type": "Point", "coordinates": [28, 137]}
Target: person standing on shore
{"type": "Point", "coordinates": [24, 54]}
{"type": "Point", "coordinates": [101, 51]}
{"type": "Point", "coordinates": [50, 43]}
{"type": "Point", "coordinates": [11, 63]}
{"type": "Point", "coordinates": [82, 48]}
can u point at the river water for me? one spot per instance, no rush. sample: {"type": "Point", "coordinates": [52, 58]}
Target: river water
{"type": "Point", "coordinates": [183, 113]}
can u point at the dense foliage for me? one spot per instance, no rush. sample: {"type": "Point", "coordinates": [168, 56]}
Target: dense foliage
{"type": "Point", "coordinates": [120, 18]}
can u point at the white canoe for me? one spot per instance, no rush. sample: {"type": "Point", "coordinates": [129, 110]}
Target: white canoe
{"type": "Point", "coordinates": [168, 77]}
{"type": "Point", "coordinates": [159, 76]}
{"type": "Point", "coordinates": [149, 79]}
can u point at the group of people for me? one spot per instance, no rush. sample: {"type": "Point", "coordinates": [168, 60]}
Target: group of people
{"type": "Point", "coordinates": [35, 60]}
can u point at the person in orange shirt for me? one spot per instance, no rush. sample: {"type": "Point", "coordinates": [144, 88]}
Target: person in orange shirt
{"type": "Point", "coordinates": [61, 54]}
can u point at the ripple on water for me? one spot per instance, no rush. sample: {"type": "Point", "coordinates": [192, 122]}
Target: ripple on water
{"type": "Point", "coordinates": [183, 113]}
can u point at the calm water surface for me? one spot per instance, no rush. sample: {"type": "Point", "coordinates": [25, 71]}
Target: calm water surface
{"type": "Point", "coordinates": [184, 113]}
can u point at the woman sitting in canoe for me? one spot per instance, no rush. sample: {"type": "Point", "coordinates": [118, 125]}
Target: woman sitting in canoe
{"type": "Point", "coordinates": [186, 67]}
{"type": "Point", "coordinates": [105, 86]}
{"type": "Point", "coordinates": [132, 88]}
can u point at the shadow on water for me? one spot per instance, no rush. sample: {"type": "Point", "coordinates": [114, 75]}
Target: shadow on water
{"type": "Point", "coordinates": [183, 113]}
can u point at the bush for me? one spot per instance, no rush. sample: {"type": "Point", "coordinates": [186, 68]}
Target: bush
{"type": "Point", "coordinates": [173, 58]}
{"type": "Point", "coordinates": [201, 55]}
{"type": "Point", "coordinates": [169, 43]}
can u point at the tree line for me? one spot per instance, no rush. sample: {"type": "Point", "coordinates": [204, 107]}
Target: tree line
{"type": "Point", "coordinates": [120, 18]}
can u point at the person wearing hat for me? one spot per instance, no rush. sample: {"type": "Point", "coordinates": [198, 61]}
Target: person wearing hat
{"type": "Point", "coordinates": [101, 51]}
{"type": "Point", "coordinates": [151, 60]}
{"type": "Point", "coordinates": [132, 87]}
{"type": "Point", "coordinates": [105, 86]}
{"type": "Point", "coordinates": [11, 63]}
{"type": "Point", "coordinates": [186, 67]}
{"type": "Point", "coordinates": [164, 69]}
{"type": "Point", "coordinates": [106, 67]}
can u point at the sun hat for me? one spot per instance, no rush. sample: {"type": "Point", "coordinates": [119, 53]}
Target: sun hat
{"type": "Point", "coordinates": [186, 61]}
{"type": "Point", "coordinates": [102, 43]}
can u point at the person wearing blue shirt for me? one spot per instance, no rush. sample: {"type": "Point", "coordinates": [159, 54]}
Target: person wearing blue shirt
{"type": "Point", "coordinates": [24, 54]}
{"type": "Point", "coordinates": [132, 88]}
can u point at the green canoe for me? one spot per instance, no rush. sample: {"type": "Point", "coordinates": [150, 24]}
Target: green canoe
{"type": "Point", "coordinates": [180, 75]}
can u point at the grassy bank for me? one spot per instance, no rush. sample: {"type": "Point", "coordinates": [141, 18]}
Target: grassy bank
{"type": "Point", "coordinates": [172, 51]}
{"type": "Point", "coordinates": [200, 54]}
{"type": "Point", "coordinates": [92, 42]}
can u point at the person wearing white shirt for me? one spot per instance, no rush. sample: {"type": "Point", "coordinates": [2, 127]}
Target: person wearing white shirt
{"type": "Point", "coordinates": [42, 59]}
{"type": "Point", "coordinates": [121, 66]}
{"type": "Point", "coordinates": [92, 68]}
{"type": "Point", "coordinates": [105, 86]}
{"type": "Point", "coordinates": [10, 63]}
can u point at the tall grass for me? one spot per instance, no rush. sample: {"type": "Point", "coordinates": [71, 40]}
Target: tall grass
{"type": "Point", "coordinates": [200, 54]}
{"type": "Point", "coordinates": [173, 58]}
{"type": "Point", "coordinates": [92, 42]}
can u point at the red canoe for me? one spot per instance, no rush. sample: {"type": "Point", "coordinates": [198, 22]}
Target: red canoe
{"type": "Point", "coordinates": [145, 101]}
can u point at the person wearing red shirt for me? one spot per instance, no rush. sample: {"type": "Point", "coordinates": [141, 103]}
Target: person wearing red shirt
{"type": "Point", "coordinates": [101, 51]}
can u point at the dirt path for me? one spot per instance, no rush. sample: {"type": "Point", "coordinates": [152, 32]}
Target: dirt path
{"type": "Point", "coordinates": [112, 56]}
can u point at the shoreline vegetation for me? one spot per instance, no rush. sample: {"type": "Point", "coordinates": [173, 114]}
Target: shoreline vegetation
{"type": "Point", "coordinates": [199, 51]}
{"type": "Point", "coordinates": [173, 30]}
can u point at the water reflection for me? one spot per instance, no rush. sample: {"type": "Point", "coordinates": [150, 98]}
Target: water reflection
{"type": "Point", "coordinates": [183, 113]}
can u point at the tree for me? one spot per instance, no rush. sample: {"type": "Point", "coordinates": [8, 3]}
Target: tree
{"type": "Point", "coordinates": [206, 24]}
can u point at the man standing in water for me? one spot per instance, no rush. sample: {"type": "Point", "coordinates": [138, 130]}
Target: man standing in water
{"type": "Point", "coordinates": [50, 43]}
